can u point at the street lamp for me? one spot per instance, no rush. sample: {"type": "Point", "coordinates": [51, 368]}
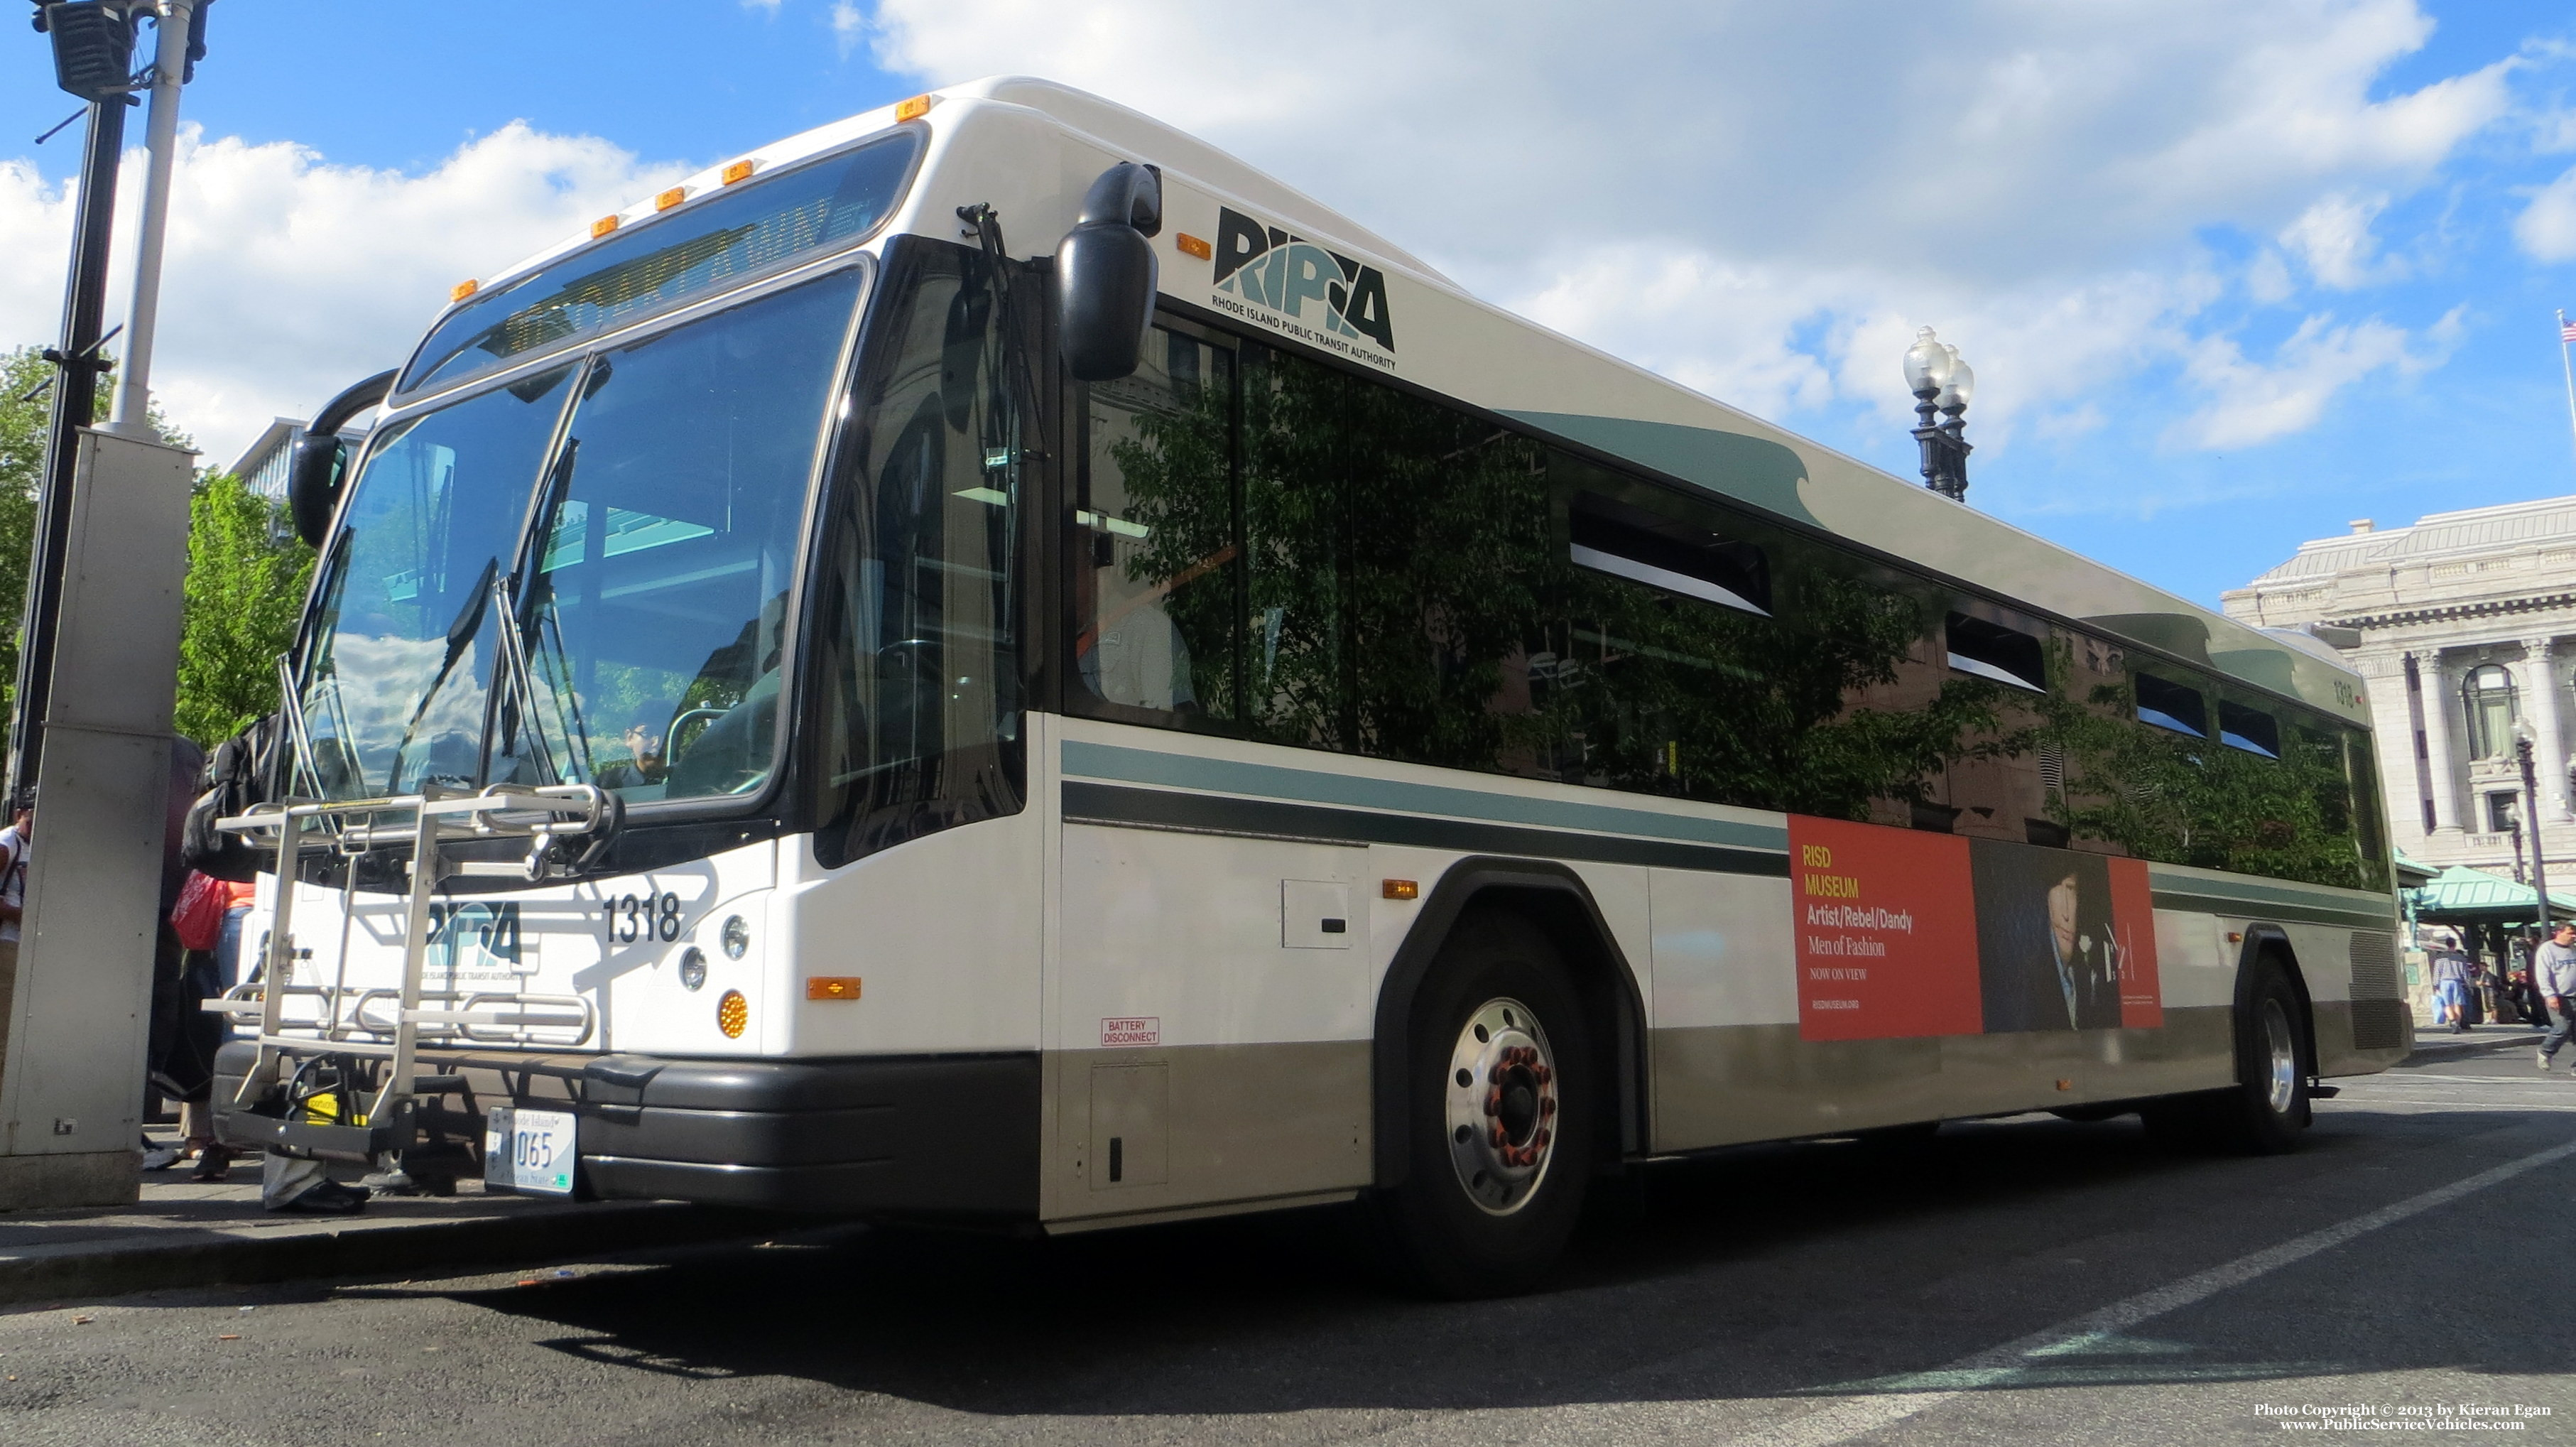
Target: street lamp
{"type": "Point", "coordinates": [2523, 738]}
{"type": "Point", "coordinates": [1941, 382]}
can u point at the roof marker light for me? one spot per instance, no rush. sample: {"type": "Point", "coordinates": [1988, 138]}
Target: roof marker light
{"type": "Point", "coordinates": [602, 227]}
{"type": "Point", "coordinates": [738, 171]}
{"type": "Point", "coordinates": [670, 198]}
{"type": "Point", "coordinates": [1196, 247]}
{"type": "Point", "coordinates": [463, 289]}
{"type": "Point", "coordinates": [915, 108]}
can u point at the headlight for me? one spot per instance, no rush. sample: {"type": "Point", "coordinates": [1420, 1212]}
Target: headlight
{"type": "Point", "coordinates": [693, 967]}
{"type": "Point", "coordinates": [737, 937]}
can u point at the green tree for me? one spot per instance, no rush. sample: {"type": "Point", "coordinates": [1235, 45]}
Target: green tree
{"type": "Point", "coordinates": [246, 580]}
{"type": "Point", "coordinates": [22, 465]}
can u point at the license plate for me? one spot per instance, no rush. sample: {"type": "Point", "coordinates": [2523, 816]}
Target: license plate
{"type": "Point", "coordinates": [529, 1150]}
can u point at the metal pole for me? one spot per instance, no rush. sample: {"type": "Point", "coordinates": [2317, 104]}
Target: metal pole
{"type": "Point", "coordinates": [75, 407]}
{"type": "Point", "coordinates": [133, 385]}
{"type": "Point", "coordinates": [2531, 812]}
{"type": "Point", "coordinates": [2569, 370]}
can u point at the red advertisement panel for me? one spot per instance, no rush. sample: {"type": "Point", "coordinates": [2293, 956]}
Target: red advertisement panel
{"type": "Point", "coordinates": [1886, 932]}
{"type": "Point", "coordinates": [2133, 934]}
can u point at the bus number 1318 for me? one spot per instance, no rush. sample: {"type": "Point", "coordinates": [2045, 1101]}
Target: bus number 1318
{"type": "Point", "coordinates": [626, 918]}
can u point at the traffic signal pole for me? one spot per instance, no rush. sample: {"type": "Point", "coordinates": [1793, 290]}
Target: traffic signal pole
{"type": "Point", "coordinates": [76, 375]}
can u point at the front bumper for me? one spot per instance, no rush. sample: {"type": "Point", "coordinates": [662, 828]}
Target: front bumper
{"type": "Point", "coordinates": [928, 1136]}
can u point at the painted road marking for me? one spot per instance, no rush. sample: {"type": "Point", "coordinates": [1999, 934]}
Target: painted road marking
{"type": "Point", "coordinates": [1891, 1402]}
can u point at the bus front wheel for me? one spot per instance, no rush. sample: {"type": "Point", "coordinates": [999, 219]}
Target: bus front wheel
{"type": "Point", "coordinates": [1499, 1115]}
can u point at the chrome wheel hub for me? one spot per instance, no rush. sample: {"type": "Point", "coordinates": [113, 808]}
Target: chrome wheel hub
{"type": "Point", "coordinates": [2282, 1081]}
{"type": "Point", "coordinates": [1502, 1101]}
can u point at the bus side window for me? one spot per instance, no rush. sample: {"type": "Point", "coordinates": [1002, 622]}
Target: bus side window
{"type": "Point", "coordinates": [2370, 829]}
{"type": "Point", "coordinates": [1998, 659]}
{"type": "Point", "coordinates": [1155, 557]}
{"type": "Point", "coordinates": [1395, 548]}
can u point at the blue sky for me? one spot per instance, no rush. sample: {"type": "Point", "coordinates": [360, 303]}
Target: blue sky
{"type": "Point", "coordinates": [2231, 274]}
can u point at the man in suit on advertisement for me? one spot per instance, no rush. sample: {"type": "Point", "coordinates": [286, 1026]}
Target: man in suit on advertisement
{"type": "Point", "coordinates": [2046, 957]}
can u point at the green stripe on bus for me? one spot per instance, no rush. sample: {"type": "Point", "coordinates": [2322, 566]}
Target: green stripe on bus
{"type": "Point", "coordinates": [1183, 771]}
{"type": "Point", "coordinates": [2270, 891]}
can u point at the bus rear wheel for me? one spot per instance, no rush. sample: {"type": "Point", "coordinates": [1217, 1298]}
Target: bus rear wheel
{"type": "Point", "coordinates": [1499, 1115]}
{"type": "Point", "coordinates": [2263, 1113]}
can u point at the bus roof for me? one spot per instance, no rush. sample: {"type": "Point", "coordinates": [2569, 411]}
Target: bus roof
{"type": "Point", "coordinates": [1242, 244]}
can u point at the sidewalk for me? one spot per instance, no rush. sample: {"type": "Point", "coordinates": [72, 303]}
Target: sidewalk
{"type": "Point", "coordinates": [184, 1234]}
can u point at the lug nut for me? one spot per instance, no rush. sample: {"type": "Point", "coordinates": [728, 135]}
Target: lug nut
{"type": "Point", "coordinates": [1545, 1075]}
{"type": "Point", "coordinates": [1499, 1140]}
{"type": "Point", "coordinates": [1547, 1105]}
{"type": "Point", "coordinates": [1494, 1101]}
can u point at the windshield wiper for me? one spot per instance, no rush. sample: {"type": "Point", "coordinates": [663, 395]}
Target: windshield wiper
{"type": "Point", "coordinates": [460, 636]}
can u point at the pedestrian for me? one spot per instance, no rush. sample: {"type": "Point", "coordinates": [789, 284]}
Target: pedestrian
{"type": "Point", "coordinates": [2553, 974]}
{"type": "Point", "coordinates": [2451, 976]}
{"type": "Point", "coordinates": [14, 842]}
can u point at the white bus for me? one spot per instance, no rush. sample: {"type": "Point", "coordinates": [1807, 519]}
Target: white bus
{"type": "Point", "coordinates": [990, 663]}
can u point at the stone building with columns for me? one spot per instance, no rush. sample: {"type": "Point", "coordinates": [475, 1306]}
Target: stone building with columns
{"type": "Point", "coordinates": [2464, 628]}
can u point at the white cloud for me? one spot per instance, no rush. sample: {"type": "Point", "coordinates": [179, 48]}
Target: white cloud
{"type": "Point", "coordinates": [1763, 200]}
{"type": "Point", "coordinates": [2333, 238]}
{"type": "Point", "coordinates": [287, 278]}
{"type": "Point", "coordinates": [2253, 403]}
{"type": "Point", "coordinates": [849, 24]}
{"type": "Point", "coordinates": [36, 230]}
{"type": "Point", "coordinates": [2547, 227]}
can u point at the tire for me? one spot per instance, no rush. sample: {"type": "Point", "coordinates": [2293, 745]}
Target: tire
{"type": "Point", "coordinates": [1500, 1109]}
{"type": "Point", "coordinates": [2263, 1113]}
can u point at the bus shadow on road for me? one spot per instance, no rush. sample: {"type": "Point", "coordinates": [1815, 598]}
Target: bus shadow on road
{"type": "Point", "coordinates": [1771, 1272]}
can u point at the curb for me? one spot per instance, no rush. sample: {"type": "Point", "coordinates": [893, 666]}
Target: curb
{"type": "Point", "coordinates": [2524, 1038]}
{"type": "Point", "coordinates": [450, 1246]}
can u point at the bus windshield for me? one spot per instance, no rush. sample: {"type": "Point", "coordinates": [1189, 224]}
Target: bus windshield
{"type": "Point", "coordinates": [643, 563]}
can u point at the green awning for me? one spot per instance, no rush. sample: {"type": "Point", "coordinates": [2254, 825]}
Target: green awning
{"type": "Point", "coordinates": [2461, 895]}
{"type": "Point", "coordinates": [2411, 874]}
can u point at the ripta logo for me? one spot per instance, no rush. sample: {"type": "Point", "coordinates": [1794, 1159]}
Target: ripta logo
{"type": "Point", "coordinates": [1265, 264]}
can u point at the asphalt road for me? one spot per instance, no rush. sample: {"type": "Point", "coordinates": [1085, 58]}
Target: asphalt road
{"type": "Point", "coordinates": [2031, 1280]}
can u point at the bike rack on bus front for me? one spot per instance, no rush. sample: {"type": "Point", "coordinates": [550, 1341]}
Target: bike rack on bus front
{"type": "Point", "coordinates": [543, 814]}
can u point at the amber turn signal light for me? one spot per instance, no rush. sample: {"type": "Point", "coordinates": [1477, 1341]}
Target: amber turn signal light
{"type": "Point", "coordinates": [464, 289]}
{"type": "Point", "coordinates": [1195, 247]}
{"type": "Point", "coordinates": [738, 171]}
{"type": "Point", "coordinates": [732, 1013]}
{"type": "Point", "coordinates": [668, 199]}
{"type": "Point", "coordinates": [831, 987]}
{"type": "Point", "coordinates": [602, 226]}
{"type": "Point", "coordinates": [913, 109]}
{"type": "Point", "coordinates": [1399, 889]}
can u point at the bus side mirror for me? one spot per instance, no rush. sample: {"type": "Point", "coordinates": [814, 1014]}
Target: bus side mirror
{"type": "Point", "coordinates": [313, 486]}
{"type": "Point", "coordinates": [315, 476]}
{"type": "Point", "coordinates": [1106, 274]}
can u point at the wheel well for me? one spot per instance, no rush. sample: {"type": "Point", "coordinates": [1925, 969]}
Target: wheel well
{"type": "Point", "coordinates": [1555, 901]}
{"type": "Point", "coordinates": [2270, 942]}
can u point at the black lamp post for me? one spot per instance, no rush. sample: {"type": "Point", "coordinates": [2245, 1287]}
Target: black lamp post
{"type": "Point", "coordinates": [2522, 741]}
{"type": "Point", "coordinates": [1942, 383]}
